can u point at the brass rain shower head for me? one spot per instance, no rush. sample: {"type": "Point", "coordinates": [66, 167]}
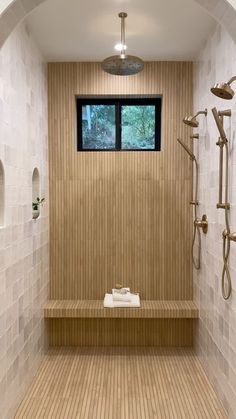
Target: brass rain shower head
{"type": "Point", "coordinates": [224, 90]}
{"type": "Point", "coordinates": [187, 149]}
{"type": "Point", "coordinates": [191, 121]}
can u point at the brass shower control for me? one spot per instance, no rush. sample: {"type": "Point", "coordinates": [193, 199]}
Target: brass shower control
{"type": "Point", "coordinates": [202, 223]}
{"type": "Point", "coordinates": [194, 136]}
{"type": "Point", "coordinates": [232, 236]}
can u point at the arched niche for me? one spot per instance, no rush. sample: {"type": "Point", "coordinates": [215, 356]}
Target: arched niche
{"type": "Point", "coordinates": [35, 184]}
{"type": "Point", "coordinates": [2, 194]}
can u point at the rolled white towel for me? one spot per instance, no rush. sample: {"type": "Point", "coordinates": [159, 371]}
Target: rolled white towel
{"type": "Point", "coordinates": [121, 290]}
{"type": "Point", "coordinates": [117, 296]}
{"type": "Point", "coordinates": [110, 303]}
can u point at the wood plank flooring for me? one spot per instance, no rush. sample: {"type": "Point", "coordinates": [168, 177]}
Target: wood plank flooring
{"type": "Point", "coordinates": [120, 383]}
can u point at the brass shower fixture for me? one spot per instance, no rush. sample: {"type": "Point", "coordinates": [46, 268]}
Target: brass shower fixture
{"type": "Point", "coordinates": [198, 223]}
{"type": "Point", "coordinates": [187, 149]}
{"type": "Point", "coordinates": [194, 136]}
{"type": "Point", "coordinates": [191, 121]}
{"type": "Point", "coordinates": [227, 236]}
{"type": "Point", "coordinates": [224, 90]}
{"type": "Point", "coordinates": [202, 223]}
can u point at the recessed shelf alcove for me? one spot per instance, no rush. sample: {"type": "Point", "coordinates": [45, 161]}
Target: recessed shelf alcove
{"type": "Point", "coordinates": [35, 191]}
{"type": "Point", "coordinates": [2, 194]}
{"type": "Point", "coordinates": [35, 184]}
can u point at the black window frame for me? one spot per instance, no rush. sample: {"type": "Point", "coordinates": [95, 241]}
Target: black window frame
{"type": "Point", "coordinates": [119, 102]}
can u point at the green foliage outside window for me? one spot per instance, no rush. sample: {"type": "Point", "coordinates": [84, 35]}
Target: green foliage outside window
{"type": "Point", "coordinates": [119, 124]}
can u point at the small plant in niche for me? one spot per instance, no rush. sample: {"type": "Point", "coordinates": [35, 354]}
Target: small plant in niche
{"type": "Point", "coordinates": [35, 207]}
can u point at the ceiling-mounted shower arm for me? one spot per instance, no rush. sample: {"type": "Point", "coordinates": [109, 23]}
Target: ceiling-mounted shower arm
{"type": "Point", "coordinates": [122, 15]}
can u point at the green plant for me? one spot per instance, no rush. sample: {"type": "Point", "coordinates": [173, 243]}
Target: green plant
{"type": "Point", "coordinates": [39, 201]}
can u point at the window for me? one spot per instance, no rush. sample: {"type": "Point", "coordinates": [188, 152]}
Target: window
{"type": "Point", "coordinates": [119, 124]}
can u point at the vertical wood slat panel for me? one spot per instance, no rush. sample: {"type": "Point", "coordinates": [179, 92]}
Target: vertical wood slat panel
{"type": "Point", "coordinates": [119, 217]}
{"type": "Point", "coordinates": [121, 332]}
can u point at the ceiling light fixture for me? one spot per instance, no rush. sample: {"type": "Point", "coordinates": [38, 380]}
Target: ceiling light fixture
{"type": "Point", "coordinates": [119, 47]}
{"type": "Point", "coordinates": [122, 65]}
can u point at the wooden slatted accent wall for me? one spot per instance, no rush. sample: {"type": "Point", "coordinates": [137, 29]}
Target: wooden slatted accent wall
{"type": "Point", "coordinates": [119, 216]}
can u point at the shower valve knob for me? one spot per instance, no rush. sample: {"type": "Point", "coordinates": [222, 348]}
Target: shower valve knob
{"type": "Point", "coordinates": [202, 223]}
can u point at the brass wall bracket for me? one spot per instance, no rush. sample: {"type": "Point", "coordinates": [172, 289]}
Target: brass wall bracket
{"type": "Point", "coordinates": [194, 136]}
{"type": "Point", "coordinates": [202, 223]}
{"type": "Point", "coordinates": [194, 203]}
{"type": "Point", "coordinates": [223, 206]}
{"type": "Point", "coordinates": [226, 112]}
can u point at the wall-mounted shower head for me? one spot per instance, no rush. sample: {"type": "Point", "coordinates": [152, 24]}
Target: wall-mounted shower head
{"type": "Point", "coordinates": [224, 90]}
{"type": "Point", "coordinates": [187, 149]}
{"type": "Point", "coordinates": [191, 121]}
{"type": "Point", "coordinates": [219, 124]}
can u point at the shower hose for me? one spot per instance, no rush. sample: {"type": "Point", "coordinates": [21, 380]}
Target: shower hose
{"type": "Point", "coordinates": [196, 230]}
{"type": "Point", "coordinates": [226, 285]}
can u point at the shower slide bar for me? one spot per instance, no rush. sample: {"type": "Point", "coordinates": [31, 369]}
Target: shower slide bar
{"type": "Point", "coordinates": [227, 236]}
{"type": "Point", "coordinates": [198, 223]}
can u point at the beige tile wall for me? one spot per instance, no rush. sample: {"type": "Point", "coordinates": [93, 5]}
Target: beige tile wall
{"type": "Point", "coordinates": [216, 337]}
{"type": "Point", "coordinates": [23, 242]}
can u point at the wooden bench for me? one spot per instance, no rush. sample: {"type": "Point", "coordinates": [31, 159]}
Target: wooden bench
{"type": "Point", "coordinates": [94, 309]}
{"type": "Point", "coordinates": [88, 323]}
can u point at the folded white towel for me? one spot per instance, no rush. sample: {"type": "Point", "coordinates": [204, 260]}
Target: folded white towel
{"type": "Point", "coordinates": [110, 303]}
{"type": "Point", "coordinates": [117, 296]}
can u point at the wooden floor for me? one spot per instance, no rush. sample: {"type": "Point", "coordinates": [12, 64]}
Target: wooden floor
{"type": "Point", "coordinates": [120, 383]}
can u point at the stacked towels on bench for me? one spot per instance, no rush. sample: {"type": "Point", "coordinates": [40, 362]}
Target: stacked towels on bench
{"type": "Point", "coordinates": [121, 298]}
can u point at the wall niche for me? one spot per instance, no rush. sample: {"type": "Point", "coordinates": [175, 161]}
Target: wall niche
{"type": "Point", "coordinates": [35, 192]}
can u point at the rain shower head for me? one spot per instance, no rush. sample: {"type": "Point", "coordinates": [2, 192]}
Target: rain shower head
{"type": "Point", "coordinates": [191, 121]}
{"type": "Point", "coordinates": [187, 149]}
{"type": "Point", "coordinates": [224, 90]}
{"type": "Point", "coordinates": [123, 64]}
{"type": "Point", "coordinates": [219, 124]}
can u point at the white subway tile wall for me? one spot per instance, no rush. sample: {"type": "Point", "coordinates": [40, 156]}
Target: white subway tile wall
{"type": "Point", "coordinates": [216, 332]}
{"type": "Point", "coordinates": [23, 242]}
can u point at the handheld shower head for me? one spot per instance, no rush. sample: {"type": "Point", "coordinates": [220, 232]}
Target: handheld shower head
{"type": "Point", "coordinates": [219, 124]}
{"type": "Point", "coordinates": [187, 149]}
{"type": "Point", "coordinates": [224, 90]}
{"type": "Point", "coordinates": [191, 121]}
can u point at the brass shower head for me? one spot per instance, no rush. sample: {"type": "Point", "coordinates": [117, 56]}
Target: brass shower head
{"type": "Point", "coordinates": [187, 149]}
{"type": "Point", "coordinates": [191, 121]}
{"type": "Point", "coordinates": [224, 90]}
